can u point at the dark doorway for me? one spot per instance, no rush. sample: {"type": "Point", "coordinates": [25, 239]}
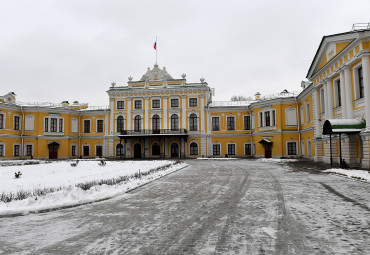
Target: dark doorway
{"type": "Point", "coordinates": [268, 150]}
{"type": "Point", "coordinates": [174, 150]}
{"type": "Point", "coordinates": [53, 150]}
{"type": "Point", "coordinates": [137, 150]}
{"type": "Point", "coordinates": [156, 149]}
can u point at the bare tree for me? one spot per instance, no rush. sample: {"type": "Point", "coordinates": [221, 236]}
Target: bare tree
{"type": "Point", "coordinates": [241, 98]}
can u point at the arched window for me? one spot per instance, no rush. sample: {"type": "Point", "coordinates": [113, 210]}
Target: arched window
{"type": "Point", "coordinates": [193, 122]}
{"type": "Point", "coordinates": [156, 149]}
{"type": "Point", "coordinates": [156, 123]}
{"type": "Point", "coordinates": [174, 122]}
{"type": "Point", "coordinates": [137, 123]}
{"type": "Point", "coordinates": [120, 124]}
{"type": "Point", "coordinates": [193, 149]}
{"type": "Point", "coordinates": [119, 149]}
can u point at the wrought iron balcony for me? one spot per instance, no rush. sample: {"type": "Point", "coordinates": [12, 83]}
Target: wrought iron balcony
{"type": "Point", "coordinates": [154, 132]}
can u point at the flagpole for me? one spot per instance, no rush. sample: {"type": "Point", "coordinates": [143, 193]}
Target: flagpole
{"type": "Point", "coordinates": [156, 51]}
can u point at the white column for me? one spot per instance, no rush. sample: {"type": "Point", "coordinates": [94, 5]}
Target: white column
{"type": "Point", "coordinates": [317, 112]}
{"type": "Point", "coordinates": [183, 97]}
{"type": "Point", "coordinates": [111, 106]}
{"type": "Point", "coordinates": [202, 117]}
{"type": "Point", "coordinates": [146, 116]}
{"type": "Point", "coordinates": [349, 97]}
{"type": "Point", "coordinates": [330, 98]}
{"type": "Point", "coordinates": [165, 118]}
{"type": "Point", "coordinates": [366, 80]}
{"type": "Point", "coordinates": [326, 106]}
{"type": "Point", "coordinates": [343, 95]}
{"type": "Point", "coordinates": [128, 107]}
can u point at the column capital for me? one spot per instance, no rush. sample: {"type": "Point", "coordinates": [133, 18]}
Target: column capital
{"type": "Point", "coordinates": [183, 96]}
{"type": "Point", "coordinates": [146, 97]}
{"type": "Point", "coordinates": [128, 98]}
{"type": "Point", "coordinates": [164, 97]}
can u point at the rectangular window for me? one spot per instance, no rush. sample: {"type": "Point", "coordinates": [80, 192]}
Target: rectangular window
{"type": "Point", "coordinates": [216, 149]}
{"type": "Point", "coordinates": [29, 150]}
{"type": "Point", "coordinates": [322, 101]}
{"type": "Point", "coordinates": [261, 119]}
{"type": "Point", "coordinates": [273, 118]}
{"type": "Point", "coordinates": [360, 82]}
{"type": "Point", "coordinates": [99, 151]}
{"type": "Point", "coordinates": [120, 104]}
{"type": "Point", "coordinates": [231, 149]}
{"type": "Point", "coordinates": [156, 103]}
{"type": "Point", "coordinates": [292, 148]}
{"type": "Point", "coordinates": [1, 121]}
{"type": "Point", "coordinates": [230, 123]}
{"type": "Point", "coordinates": [86, 151]}
{"type": "Point", "coordinates": [138, 104]}
{"type": "Point", "coordinates": [339, 99]}
{"type": "Point", "coordinates": [100, 126]}
{"type": "Point", "coordinates": [193, 102]}
{"type": "Point", "coordinates": [17, 150]}
{"type": "Point", "coordinates": [267, 119]}
{"type": "Point", "coordinates": [174, 102]}
{"type": "Point", "coordinates": [247, 122]}
{"type": "Point", "coordinates": [16, 122]}
{"type": "Point", "coordinates": [248, 149]}
{"type": "Point", "coordinates": [1, 150]}
{"type": "Point", "coordinates": [46, 125]}
{"type": "Point", "coordinates": [308, 113]}
{"type": "Point", "coordinates": [86, 126]}
{"type": "Point", "coordinates": [60, 125]}
{"type": "Point", "coordinates": [215, 123]}
{"type": "Point", "coordinates": [53, 124]}
{"type": "Point", "coordinates": [73, 150]}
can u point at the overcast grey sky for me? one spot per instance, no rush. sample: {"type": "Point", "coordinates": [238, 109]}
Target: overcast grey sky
{"type": "Point", "coordinates": [72, 50]}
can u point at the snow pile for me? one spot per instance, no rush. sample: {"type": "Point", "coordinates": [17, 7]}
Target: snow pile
{"type": "Point", "coordinates": [278, 160]}
{"type": "Point", "coordinates": [216, 158]}
{"type": "Point", "coordinates": [356, 174]}
{"type": "Point", "coordinates": [63, 175]}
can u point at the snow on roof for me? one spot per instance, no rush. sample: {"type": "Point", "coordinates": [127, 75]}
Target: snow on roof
{"type": "Point", "coordinates": [230, 103]}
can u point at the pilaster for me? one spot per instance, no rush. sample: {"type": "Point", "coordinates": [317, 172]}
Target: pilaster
{"type": "Point", "coordinates": [343, 95]}
{"type": "Point", "coordinates": [348, 88]}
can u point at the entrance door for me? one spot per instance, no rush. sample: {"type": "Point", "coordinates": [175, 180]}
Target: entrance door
{"type": "Point", "coordinates": [268, 150]}
{"type": "Point", "coordinates": [174, 150]}
{"type": "Point", "coordinates": [137, 150]}
{"type": "Point", "coordinates": [53, 150]}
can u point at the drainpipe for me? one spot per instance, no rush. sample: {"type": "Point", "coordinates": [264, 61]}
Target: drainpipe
{"type": "Point", "coordinates": [299, 131]}
{"type": "Point", "coordinates": [22, 133]}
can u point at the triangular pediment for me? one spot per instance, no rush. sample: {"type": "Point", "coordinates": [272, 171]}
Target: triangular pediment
{"type": "Point", "coordinates": [329, 48]}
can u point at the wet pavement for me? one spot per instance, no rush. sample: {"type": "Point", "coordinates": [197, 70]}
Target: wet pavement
{"type": "Point", "coordinates": [210, 207]}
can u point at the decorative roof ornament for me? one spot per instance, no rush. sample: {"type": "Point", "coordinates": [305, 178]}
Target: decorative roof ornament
{"type": "Point", "coordinates": [156, 74]}
{"type": "Point", "coordinates": [183, 76]}
{"type": "Point", "coordinates": [202, 80]}
{"type": "Point", "coordinates": [113, 84]}
{"type": "Point", "coordinates": [130, 78]}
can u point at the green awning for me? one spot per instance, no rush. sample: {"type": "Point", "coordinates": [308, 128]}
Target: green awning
{"type": "Point", "coordinates": [343, 126]}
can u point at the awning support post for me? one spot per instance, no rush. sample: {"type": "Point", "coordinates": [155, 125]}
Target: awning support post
{"type": "Point", "coordinates": [331, 153]}
{"type": "Point", "coordinates": [340, 151]}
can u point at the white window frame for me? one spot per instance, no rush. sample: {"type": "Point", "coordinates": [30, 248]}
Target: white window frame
{"type": "Point", "coordinates": [219, 123]}
{"type": "Point", "coordinates": [124, 104]}
{"type": "Point", "coordinates": [296, 147]}
{"type": "Point", "coordinates": [308, 112]}
{"type": "Point", "coordinates": [302, 115]}
{"type": "Point", "coordinates": [20, 122]}
{"type": "Point", "coordinates": [213, 151]}
{"type": "Point", "coordinates": [49, 125]}
{"type": "Point", "coordinates": [86, 145]}
{"type": "Point", "coordinates": [356, 80]}
{"type": "Point", "coordinates": [227, 149]}
{"type": "Point", "coordinates": [96, 125]}
{"type": "Point", "coordinates": [4, 147]}
{"type": "Point", "coordinates": [160, 102]}
{"type": "Point", "coordinates": [227, 127]}
{"type": "Point", "coordinates": [25, 150]}
{"type": "Point", "coordinates": [197, 102]}
{"type": "Point", "coordinates": [262, 122]}
{"type": "Point", "coordinates": [197, 147]}
{"type": "Point", "coordinates": [295, 116]}
{"type": "Point", "coordinates": [74, 145]}
{"type": "Point", "coordinates": [302, 148]}
{"type": "Point", "coordinates": [83, 126]}
{"type": "Point", "coordinates": [197, 120]}
{"type": "Point", "coordinates": [4, 121]}
{"type": "Point", "coordinates": [20, 149]}
{"type": "Point", "coordinates": [178, 100]}
{"type": "Point", "coordinates": [102, 149]}
{"type": "Point", "coordinates": [245, 153]}
{"type": "Point", "coordinates": [141, 104]}
{"type": "Point", "coordinates": [322, 100]}
{"type": "Point", "coordinates": [250, 122]}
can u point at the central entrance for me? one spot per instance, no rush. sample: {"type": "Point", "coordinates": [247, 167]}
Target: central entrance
{"type": "Point", "coordinates": [174, 150]}
{"type": "Point", "coordinates": [137, 150]}
{"type": "Point", "coordinates": [268, 150]}
{"type": "Point", "coordinates": [53, 150]}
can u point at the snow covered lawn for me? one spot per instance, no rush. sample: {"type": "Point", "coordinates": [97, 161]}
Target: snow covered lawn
{"type": "Point", "coordinates": [356, 174]}
{"type": "Point", "coordinates": [63, 178]}
{"type": "Point", "coordinates": [278, 160]}
{"type": "Point", "coordinates": [217, 158]}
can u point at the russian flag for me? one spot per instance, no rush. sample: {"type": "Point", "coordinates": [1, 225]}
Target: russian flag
{"type": "Point", "coordinates": [155, 46]}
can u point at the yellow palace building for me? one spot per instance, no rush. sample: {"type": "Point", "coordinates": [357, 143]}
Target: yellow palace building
{"type": "Point", "coordinates": [158, 116]}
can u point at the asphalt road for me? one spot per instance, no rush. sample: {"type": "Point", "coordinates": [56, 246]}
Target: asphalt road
{"type": "Point", "coordinates": [210, 207]}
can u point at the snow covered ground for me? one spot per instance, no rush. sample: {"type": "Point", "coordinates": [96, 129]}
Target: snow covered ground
{"type": "Point", "coordinates": [356, 174]}
{"type": "Point", "coordinates": [277, 160]}
{"type": "Point", "coordinates": [217, 158]}
{"type": "Point", "coordinates": [62, 175]}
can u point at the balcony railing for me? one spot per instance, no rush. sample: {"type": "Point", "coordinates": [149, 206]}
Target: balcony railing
{"type": "Point", "coordinates": [179, 131]}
